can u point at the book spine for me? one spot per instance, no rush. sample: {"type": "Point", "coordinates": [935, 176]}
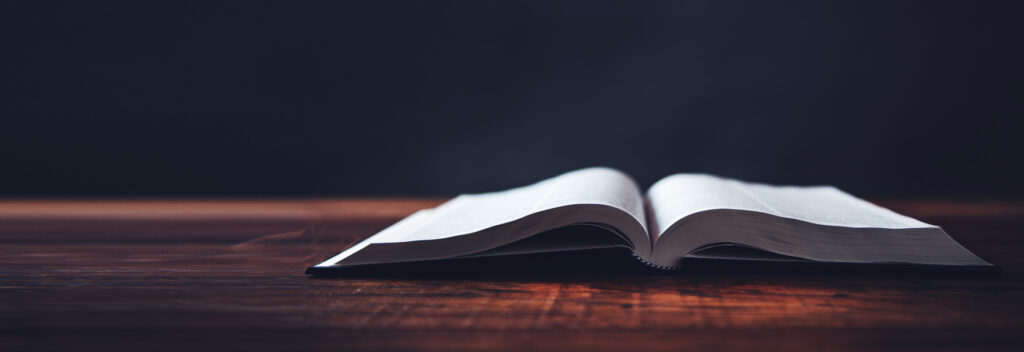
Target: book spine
{"type": "Point", "coordinates": [654, 266]}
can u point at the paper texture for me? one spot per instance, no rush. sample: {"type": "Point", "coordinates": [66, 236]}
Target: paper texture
{"type": "Point", "coordinates": [467, 214]}
{"type": "Point", "coordinates": [681, 195]}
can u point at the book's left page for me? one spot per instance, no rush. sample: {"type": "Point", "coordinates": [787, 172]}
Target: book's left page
{"type": "Point", "coordinates": [476, 223]}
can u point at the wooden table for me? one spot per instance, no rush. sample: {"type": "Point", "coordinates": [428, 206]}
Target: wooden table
{"type": "Point", "coordinates": [228, 275]}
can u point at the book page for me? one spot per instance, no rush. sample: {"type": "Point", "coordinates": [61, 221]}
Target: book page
{"type": "Point", "coordinates": [475, 212]}
{"type": "Point", "coordinates": [677, 196]}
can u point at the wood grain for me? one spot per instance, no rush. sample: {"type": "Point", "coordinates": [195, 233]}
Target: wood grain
{"type": "Point", "coordinates": [228, 275]}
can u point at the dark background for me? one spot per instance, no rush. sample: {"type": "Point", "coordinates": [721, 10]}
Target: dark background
{"type": "Point", "coordinates": [881, 98]}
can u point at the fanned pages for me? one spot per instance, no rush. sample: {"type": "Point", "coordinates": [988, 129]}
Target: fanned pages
{"type": "Point", "coordinates": [681, 216]}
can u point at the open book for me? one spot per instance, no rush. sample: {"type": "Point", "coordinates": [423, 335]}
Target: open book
{"type": "Point", "coordinates": [681, 216]}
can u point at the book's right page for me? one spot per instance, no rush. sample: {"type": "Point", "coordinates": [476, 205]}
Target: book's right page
{"type": "Point", "coordinates": [690, 212]}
